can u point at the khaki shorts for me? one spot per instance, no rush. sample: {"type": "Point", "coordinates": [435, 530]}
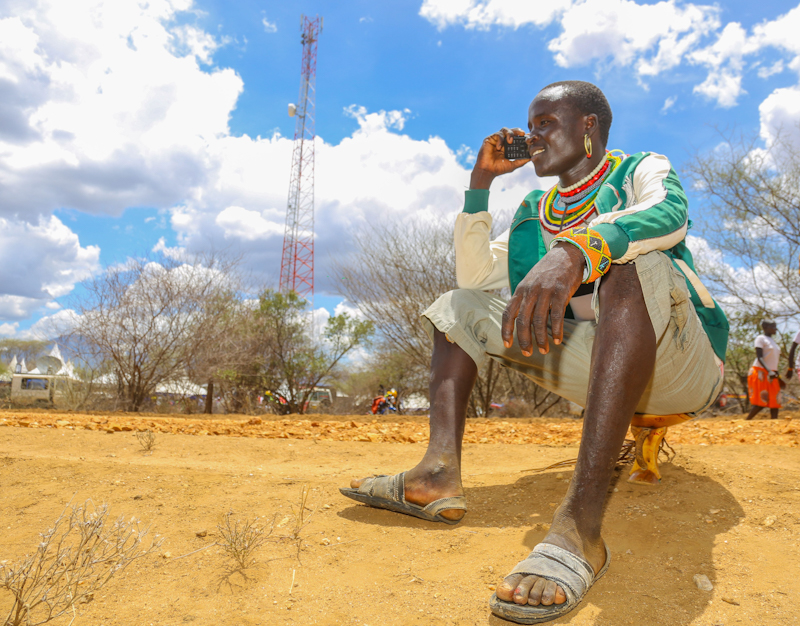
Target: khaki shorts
{"type": "Point", "coordinates": [687, 377]}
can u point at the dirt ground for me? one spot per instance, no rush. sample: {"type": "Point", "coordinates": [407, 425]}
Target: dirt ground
{"type": "Point", "coordinates": [727, 507]}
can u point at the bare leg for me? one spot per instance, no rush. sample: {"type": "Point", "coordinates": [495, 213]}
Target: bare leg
{"type": "Point", "coordinates": [438, 474]}
{"type": "Point", "coordinates": [754, 410]}
{"type": "Point", "coordinates": [773, 414]}
{"type": "Point", "coordinates": [623, 359]}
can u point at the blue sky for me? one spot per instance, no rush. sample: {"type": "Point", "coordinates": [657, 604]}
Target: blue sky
{"type": "Point", "coordinates": [126, 127]}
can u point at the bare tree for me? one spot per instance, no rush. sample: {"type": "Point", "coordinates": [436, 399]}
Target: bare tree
{"type": "Point", "coordinates": [751, 219]}
{"type": "Point", "coordinates": [394, 274]}
{"type": "Point", "coordinates": [144, 320]}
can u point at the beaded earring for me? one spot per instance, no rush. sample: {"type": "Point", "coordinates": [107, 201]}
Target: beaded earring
{"type": "Point", "coordinates": [587, 145]}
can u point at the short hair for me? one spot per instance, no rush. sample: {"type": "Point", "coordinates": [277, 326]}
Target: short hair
{"type": "Point", "coordinates": [588, 99]}
{"type": "Point", "coordinates": [767, 323]}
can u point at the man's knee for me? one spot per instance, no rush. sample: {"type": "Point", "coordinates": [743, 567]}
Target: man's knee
{"type": "Point", "coordinates": [620, 281]}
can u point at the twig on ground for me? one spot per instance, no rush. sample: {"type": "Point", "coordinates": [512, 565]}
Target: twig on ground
{"type": "Point", "coordinates": [301, 520]}
{"type": "Point", "coordinates": [183, 556]}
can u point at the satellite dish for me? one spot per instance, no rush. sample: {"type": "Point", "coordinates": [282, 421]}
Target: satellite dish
{"type": "Point", "coordinates": [48, 364]}
{"type": "Point", "coordinates": [292, 110]}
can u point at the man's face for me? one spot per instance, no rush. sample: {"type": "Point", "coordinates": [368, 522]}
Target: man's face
{"type": "Point", "coordinates": [556, 134]}
{"type": "Point", "coordinates": [770, 329]}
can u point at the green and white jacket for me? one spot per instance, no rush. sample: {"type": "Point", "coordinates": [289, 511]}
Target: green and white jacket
{"type": "Point", "coordinates": [641, 207]}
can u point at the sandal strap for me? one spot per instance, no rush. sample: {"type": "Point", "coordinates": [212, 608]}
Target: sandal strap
{"type": "Point", "coordinates": [386, 487]}
{"type": "Point", "coordinates": [444, 504]}
{"type": "Point", "coordinates": [569, 571]}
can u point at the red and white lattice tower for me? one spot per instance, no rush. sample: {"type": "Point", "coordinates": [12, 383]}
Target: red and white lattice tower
{"type": "Point", "coordinates": [297, 261]}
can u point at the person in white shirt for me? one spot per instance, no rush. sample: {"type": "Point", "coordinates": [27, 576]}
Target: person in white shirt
{"type": "Point", "coordinates": [764, 382]}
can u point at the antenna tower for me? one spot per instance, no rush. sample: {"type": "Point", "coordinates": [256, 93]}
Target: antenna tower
{"type": "Point", "coordinates": [297, 261]}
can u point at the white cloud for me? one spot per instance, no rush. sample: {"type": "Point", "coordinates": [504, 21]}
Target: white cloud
{"type": "Point", "coordinates": [188, 40]}
{"type": "Point", "coordinates": [51, 326]}
{"type": "Point", "coordinates": [8, 330]}
{"type": "Point", "coordinates": [269, 27]}
{"type": "Point", "coordinates": [723, 86]}
{"type": "Point", "coordinates": [241, 223]}
{"type": "Point", "coordinates": [482, 14]}
{"type": "Point", "coordinates": [775, 68]}
{"type": "Point", "coordinates": [105, 105]}
{"type": "Point", "coordinates": [668, 104]}
{"type": "Point", "coordinates": [352, 311]}
{"type": "Point", "coordinates": [175, 253]}
{"type": "Point", "coordinates": [371, 122]}
{"type": "Point", "coordinates": [780, 115]}
{"type": "Point", "coordinates": [651, 37]}
{"type": "Point", "coordinates": [41, 261]}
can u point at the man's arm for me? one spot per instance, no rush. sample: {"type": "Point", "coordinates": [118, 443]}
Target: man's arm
{"type": "Point", "coordinates": [790, 369]}
{"type": "Point", "coordinates": [480, 262]}
{"type": "Point", "coordinates": [657, 218]}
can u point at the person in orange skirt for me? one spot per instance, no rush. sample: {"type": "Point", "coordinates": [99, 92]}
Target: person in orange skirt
{"type": "Point", "coordinates": [764, 382]}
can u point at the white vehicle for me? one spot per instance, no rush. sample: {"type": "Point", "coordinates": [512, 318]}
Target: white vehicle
{"type": "Point", "coordinates": [35, 387]}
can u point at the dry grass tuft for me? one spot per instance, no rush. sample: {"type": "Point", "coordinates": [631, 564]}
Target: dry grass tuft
{"type": "Point", "coordinates": [82, 551]}
{"type": "Point", "coordinates": [241, 539]}
{"type": "Point", "coordinates": [146, 439]}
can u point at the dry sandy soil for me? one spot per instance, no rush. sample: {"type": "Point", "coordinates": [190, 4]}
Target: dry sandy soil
{"type": "Point", "coordinates": [727, 507]}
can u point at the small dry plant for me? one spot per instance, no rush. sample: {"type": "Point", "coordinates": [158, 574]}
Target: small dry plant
{"type": "Point", "coordinates": [77, 556]}
{"type": "Point", "coordinates": [302, 516]}
{"type": "Point", "coordinates": [241, 539]}
{"type": "Point", "coordinates": [146, 439]}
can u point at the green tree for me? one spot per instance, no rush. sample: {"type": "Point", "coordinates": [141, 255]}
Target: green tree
{"type": "Point", "coordinates": [294, 360]}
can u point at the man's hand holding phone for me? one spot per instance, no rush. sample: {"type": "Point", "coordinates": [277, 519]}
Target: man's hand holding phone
{"type": "Point", "coordinates": [492, 161]}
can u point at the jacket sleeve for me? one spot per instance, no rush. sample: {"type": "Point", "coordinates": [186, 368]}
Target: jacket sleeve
{"type": "Point", "coordinates": [480, 262]}
{"type": "Point", "coordinates": [655, 216]}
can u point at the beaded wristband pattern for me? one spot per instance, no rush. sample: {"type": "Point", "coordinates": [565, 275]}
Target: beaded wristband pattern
{"type": "Point", "coordinates": [594, 247]}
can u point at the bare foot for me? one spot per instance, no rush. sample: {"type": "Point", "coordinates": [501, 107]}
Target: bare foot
{"type": "Point", "coordinates": [427, 484]}
{"type": "Point", "coordinates": [533, 590]}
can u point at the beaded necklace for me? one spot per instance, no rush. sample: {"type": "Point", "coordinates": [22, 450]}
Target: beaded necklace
{"type": "Point", "coordinates": [562, 209]}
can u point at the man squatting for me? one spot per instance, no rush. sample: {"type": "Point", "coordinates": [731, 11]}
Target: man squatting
{"type": "Point", "coordinates": [600, 263]}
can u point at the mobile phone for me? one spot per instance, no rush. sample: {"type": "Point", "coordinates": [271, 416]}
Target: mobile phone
{"type": "Point", "coordinates": [518, 149]}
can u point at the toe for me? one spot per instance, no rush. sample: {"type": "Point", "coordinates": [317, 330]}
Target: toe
{"type": "Point", "coordinates": [453, 514]}
{"type": "Point", "coordinates": [535, 596]}
{"type": "Point", "coordinates": [549, 593]}
{"type": "Point", "coordinates": [356, 483]}
{"type": "Point", "coordinates": [505, 590]}
{"type": "Point", "coordinates": [523, 589]}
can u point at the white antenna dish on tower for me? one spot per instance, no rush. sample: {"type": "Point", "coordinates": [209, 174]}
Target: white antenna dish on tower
{"type": "Point", "coordinates": [292, 110]}
{"type": "Point", "coordinates": [48, 364]}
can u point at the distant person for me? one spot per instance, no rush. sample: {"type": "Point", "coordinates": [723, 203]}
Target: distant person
{"type": "Point", "coordinates": [792, 360]}
{"type": "Point", "coordinates": [599, 263]}
{"type": "Point", "coordinates": [764, 382]}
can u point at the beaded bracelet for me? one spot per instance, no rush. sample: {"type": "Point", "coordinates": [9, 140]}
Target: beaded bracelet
{"type": "Point", "coordinates": [594, 247]}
